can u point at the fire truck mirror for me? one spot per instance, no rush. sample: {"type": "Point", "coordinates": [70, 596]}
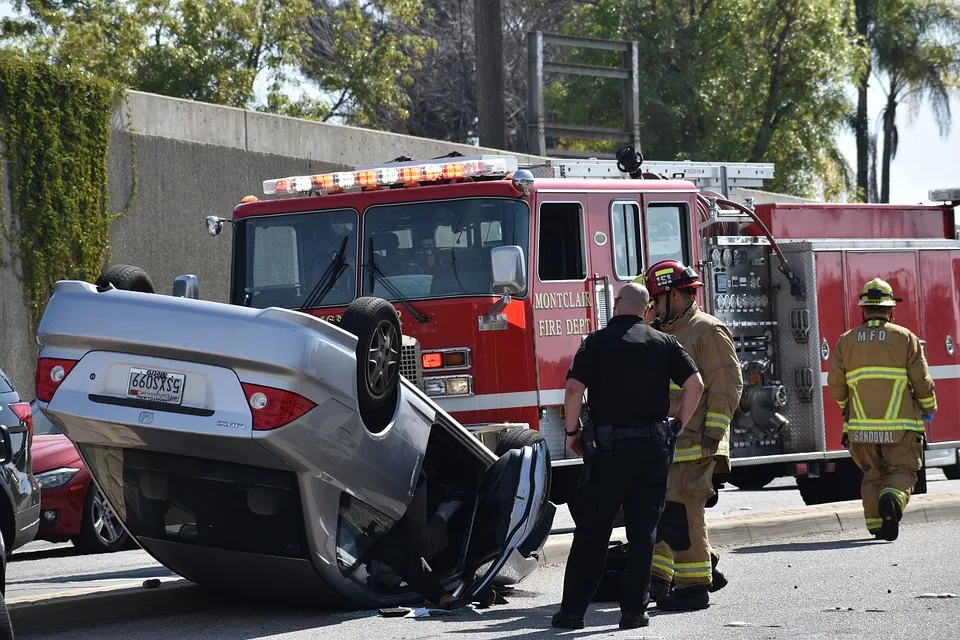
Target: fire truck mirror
{"type": "Point", "coordinates": [507, 270]}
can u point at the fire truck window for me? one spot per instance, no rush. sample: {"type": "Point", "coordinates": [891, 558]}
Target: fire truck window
{"type": "Point", "coordinates": [444, 246]}
{"type": "Point", "coordinates": [286, 255]}
{"type": "Point", "coordinates": [627, 245]}
{"type": "Point", "coordinates": [666, 233]}
{"type": "Point", "coordinates": [561, 247]}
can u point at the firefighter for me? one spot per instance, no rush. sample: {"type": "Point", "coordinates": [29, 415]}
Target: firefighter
{"type": "Point", "coordinates": [879, 377]}
{"type": "Point", "coordinates": [684, 565]}
{"type": "Point", "coordinates": [625, 444]}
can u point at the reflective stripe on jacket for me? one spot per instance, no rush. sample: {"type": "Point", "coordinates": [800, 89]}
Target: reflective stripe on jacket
{"type": "Point", "coordinates": [710, 344]}
{"type": "Point", "coordinates": [880, 379]}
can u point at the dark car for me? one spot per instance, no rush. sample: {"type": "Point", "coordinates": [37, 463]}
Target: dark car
{"type": "Point", "coordinates": [19, 490]}
{"type": "Point", "coordinates": [72, 506]}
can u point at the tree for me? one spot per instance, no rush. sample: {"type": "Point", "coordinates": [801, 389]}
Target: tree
{"type": "Point", "coordinates": [861, 120]}
{"type": "Point", "coordinates": [916, 51]}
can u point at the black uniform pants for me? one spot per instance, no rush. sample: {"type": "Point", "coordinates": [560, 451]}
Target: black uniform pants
{"type": "Point", "coordinates": [633, 475]}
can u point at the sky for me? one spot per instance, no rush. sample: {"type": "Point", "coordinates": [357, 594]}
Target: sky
{"type": "Point", "coordinates": [924, 160]}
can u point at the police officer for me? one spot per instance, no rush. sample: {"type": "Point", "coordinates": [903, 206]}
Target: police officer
{"type": "Point", "coordinates": [879, 377]}
{"type": "Point", "coordinates": [683, 559]}
{"type": "Point", "coordinates": [627, 366]}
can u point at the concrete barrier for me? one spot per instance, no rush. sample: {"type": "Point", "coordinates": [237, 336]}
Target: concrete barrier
{"type": "Point", "coordinates": [86, 607]}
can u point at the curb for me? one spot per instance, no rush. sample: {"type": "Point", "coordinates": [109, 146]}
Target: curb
{"type": "Point", "coordinates": [71, 610]}
{"type": "Point", "coordinates": [835, 517]}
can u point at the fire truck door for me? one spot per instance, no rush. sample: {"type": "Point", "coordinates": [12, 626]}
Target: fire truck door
{"type": "Point", "coordinates": [562, 310]}
{"type": "Point", "coordinates": [900, 269]}
{"type": "Point", "coordinates": [940, 281]}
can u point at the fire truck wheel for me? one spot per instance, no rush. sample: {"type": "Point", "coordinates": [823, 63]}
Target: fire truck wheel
{"type": "Point", "coordinates": [375, 323]}
{"type": "Point", "coordinates": [752, 478]}
{"type": "Point", "coordinates": [126, 277]}
{"type": "Point", "coordinates": [519, 438]}
{"type": "Point", "coordinates": [952, 471]}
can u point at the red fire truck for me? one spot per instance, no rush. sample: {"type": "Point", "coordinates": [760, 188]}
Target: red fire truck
{"type": "Point", "coordinates": [498, 272]}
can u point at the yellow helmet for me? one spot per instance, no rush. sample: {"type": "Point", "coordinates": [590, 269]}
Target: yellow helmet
{"type": "Point", "coordinates": [878, 293]}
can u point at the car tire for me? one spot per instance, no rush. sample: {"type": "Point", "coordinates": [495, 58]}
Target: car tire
{"type": "Point", "coordinates": [520, 438]}
{"type": "Point", "coordinates": [101, 538]}
{"type": "Point", "coordinates": [126, 277]}
{"type": "Point", "coordinates": [3, 566]}
{"type": "Point", "coordinates": [375, 323]}
{"type": "Point", "coordinates": [6, 624]}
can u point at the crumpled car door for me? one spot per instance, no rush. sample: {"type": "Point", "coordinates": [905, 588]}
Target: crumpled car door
{"type": "Point", "coordinates": [513, 513]}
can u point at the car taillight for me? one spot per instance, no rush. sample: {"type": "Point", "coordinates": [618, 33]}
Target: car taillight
{"type": "Point", "coordinates": [50, 373]}
{"type": "Point", "coordinates": [23, 411]}
{"type": "Point", "coordinates": [273, 408]}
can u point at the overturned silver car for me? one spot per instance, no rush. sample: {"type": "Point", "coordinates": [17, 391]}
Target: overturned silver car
{"type": "Point", "coordinates": [253, 450]}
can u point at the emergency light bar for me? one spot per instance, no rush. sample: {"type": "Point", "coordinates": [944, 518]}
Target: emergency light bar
{"type": "Point", "coordinates": [944, 195]}
{"type": "Point", "coordinates": [395, 174]}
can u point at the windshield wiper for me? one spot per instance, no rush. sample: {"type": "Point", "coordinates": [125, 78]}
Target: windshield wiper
{"type": "Point", "coordinates": [329, 278]}
{"type": "Point", "coordinates": [375, 271]}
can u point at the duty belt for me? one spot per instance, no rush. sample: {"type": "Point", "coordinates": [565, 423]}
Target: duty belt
{"type": "Point", "coordinates": [624, 432]}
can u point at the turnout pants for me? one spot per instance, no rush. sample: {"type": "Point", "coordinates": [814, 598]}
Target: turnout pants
{"type": "Point", "coordinates": [633, 475]}
{"type": "Point", "coordinates": [682, 557]}
{"type": "Point", "coordinates": [888, 468]}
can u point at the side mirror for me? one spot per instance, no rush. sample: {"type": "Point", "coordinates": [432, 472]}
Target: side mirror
{"type": "Point", "coordinates": [215, 225]}
{"type": "Point", "coordinates": [508, 270]}
{"type": "Point", "coordinates": [187, 286]}
{"type": "Point", "coordinates": [6, 444]}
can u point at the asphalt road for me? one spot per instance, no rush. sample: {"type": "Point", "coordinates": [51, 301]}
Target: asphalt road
{"type": "Point", "coordinates": [817, 587]}
{"type": "Point", "coordinates": [41, 568]}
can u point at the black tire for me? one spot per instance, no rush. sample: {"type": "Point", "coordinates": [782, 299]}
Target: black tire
{"type": "Point", "coordinates": [520, 438]}
{"type": "Point", "coordinates": [952, 471]}
{"type": "Point", "coordinates": [752, 479]}
{"type": "Point", "coordinates": [127, 278]}
{"type": "Point", "coordinates": [375, 323]}
{"type": "Point", "coordinates": [103, 538]}
{"type": "Point", "coordinates": [3, 566]}
{"type": "Point", "coordinates": [6, 625]}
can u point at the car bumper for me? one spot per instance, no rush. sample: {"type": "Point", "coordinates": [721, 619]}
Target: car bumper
{"type": "Point", "coordinates": [61, 511]}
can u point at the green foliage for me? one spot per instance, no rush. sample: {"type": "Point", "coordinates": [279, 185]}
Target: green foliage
{"type": "Point", "coordinates": [726, 80]}
{"type": "Point", "coordinates": [54, 128]}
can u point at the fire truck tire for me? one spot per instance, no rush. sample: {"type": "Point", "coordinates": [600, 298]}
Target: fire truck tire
{"type": "Point", "coordinates": [952, 471]}
{"type": "Point", "coordinates": [519, 438]}
{"type": "Point", "coordinates": [126, 277]}
{"type": "Point", "coordinates": [753, 478]}
{"type": "Point", "coordinates": [375, 323]}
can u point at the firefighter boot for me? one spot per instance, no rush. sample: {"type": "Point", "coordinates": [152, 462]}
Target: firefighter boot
{"type": "Point", "coordinates": [718, 581]}
{"type": "Point", "coordinates": [890, 512]}
{"type": "Point", "coordinates": [690, 599]}
{"type": "Point", "coordinates": [658, 588]}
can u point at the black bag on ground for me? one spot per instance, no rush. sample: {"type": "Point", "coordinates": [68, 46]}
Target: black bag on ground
{"type": "Point", "coordinates": [609, 588]}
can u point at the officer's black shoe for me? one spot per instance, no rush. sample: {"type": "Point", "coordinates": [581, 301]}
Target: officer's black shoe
{"type": "Point", "coordinates": [718, 581]}
{"type": "Point", "coordinates": [680, 600]}
{"type": "Point", "coordinates": [877, 535]}
{"type": "Point", "coordinates": [889, 510]}
{"type": "Point", "coordinates": [658, 588]}
{"type": "Point", "coordinates": [564, 620]}
{"type": "Point", "coordinates": [634, 620]}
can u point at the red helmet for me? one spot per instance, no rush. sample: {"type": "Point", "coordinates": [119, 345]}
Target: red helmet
{"type": "Point", "coordinates": [670, 274]}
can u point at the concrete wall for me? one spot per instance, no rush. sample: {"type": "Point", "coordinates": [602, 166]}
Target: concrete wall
{"type": "Point", "coordinates": [197, 160]}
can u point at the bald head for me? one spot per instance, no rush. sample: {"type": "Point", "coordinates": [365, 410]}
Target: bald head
{"type": "Point", "coordinates": [632, 299]}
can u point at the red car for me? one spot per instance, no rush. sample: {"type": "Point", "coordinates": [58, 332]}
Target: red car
{"type": "Point", "coordinates": [71, 505]}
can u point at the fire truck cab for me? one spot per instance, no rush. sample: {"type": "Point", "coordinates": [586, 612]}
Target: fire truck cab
{"type": "Point", "coordinates": [498, 272]}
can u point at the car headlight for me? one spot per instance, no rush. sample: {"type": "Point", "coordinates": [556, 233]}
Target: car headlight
{"type": "Point", "coordinates": [448, 385]}
{"type": "Point", "coordinates": [56, 477]}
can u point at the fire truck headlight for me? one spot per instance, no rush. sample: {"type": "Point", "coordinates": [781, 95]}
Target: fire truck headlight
{"type": "Point", "coordinates": [448, 385]}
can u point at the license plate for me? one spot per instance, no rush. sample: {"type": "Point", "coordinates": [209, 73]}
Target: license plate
{"type": "Point", "coordinates": [154, 385]}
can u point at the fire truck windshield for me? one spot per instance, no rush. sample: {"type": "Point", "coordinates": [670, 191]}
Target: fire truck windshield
{"type": "Point", "coordinates": [440, 248]}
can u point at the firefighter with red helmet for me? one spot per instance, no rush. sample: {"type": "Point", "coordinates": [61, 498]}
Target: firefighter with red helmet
{"type": "Point", "coordinates": [880, 379]}
{"type": "Point", "coordinates": [684, 565]}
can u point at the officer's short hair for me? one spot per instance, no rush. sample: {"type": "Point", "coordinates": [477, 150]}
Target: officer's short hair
{"type": "Point", "coordinates": [634, 294]}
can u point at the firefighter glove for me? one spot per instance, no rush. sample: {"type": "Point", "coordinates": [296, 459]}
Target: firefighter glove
{"type": "Point", "coordinates": [845, 440]}
{"type": "Point", "coordinates": [709, 446]}
{"type": "Point", "coordinates": [927, 417]}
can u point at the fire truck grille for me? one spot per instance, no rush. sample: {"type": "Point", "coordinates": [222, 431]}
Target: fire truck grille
{"type": "Point", "coordinates": [410, 361]}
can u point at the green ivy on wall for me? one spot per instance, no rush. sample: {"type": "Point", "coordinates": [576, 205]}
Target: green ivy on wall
{"type": "Point", "coordinates": [54, 132]}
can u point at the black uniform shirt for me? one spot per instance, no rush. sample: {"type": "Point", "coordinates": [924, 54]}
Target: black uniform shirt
{"type": "Point", "coordinates": [627, 367]}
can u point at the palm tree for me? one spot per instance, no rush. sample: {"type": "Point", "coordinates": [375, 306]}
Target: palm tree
{"type": "Point", "coordinates": [916, 59]}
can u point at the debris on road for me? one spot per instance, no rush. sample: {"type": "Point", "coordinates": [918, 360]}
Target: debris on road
{"type": "Point", "coordinates": [937, 595]}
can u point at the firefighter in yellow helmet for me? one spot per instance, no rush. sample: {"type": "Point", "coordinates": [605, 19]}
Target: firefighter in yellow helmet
{"type": "Point", "coordinates": [683, 560]}
{"type": "Point", "coordinates": [879, 377]}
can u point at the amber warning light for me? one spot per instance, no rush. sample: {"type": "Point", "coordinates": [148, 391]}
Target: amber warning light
{"type": "Point", "coordinates": [394, 175]}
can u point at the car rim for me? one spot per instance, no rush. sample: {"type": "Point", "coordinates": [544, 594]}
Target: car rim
{"type": "Point", "coordinates": [105, 522]}
{"type": "Point", "coordinates": [383, 357]}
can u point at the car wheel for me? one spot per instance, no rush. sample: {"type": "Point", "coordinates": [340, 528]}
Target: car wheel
{"type": "Point", "coordinates": [127, 278]}
{"type": "Point", "coordinates": [375, 323]}
{"type": "Point", "coordinates": [3, 566]}
{"type": "Point", "coordinates": [518, 439]}
{"type": "Point", "coordinates": [100, 530]}
{"type": "Point", "coordinates": [6, 625]}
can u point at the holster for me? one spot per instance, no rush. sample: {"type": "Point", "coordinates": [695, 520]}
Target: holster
{"type": "Point", "coordinates": [669, 429]}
